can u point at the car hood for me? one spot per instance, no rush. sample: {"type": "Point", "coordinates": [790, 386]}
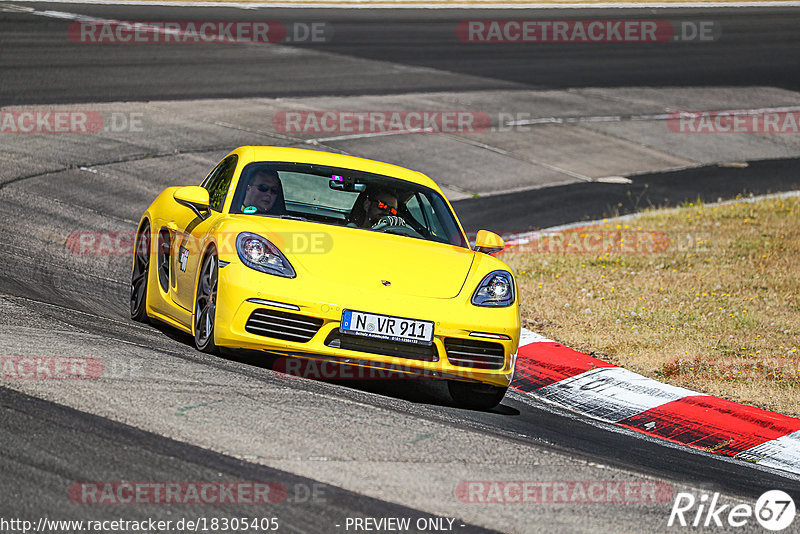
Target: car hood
{"type": "Point", "coordinates": [368, 261]}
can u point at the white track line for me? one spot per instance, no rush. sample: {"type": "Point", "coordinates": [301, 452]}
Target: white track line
{"type": "Point", "coordinates": [366, 135]}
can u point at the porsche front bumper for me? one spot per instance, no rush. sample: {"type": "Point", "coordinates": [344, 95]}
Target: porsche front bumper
{"type": "Point", "coordinates": [458, 324]}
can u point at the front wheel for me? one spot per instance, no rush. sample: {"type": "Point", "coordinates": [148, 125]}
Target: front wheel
{"type": "Point", "coordinates": [476, 396]}
{"type": "Point", "coordinates": [141, 270]}
{"type": "Point", "coordinates": [205, 305]}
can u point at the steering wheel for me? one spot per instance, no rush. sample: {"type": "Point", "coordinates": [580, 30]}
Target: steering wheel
{"type": "Point", "coordinates": [392, 224]}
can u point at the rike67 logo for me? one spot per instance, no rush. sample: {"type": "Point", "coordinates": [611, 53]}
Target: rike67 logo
{"type": "Point", "coordinates": [774, 510]}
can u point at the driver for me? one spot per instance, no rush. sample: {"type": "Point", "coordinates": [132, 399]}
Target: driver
{"type": "Point", "coordinates": [264, 192]}
{"type": "Point", "coordinates": [380, 209]}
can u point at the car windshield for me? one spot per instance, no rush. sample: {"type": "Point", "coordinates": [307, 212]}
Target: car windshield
{"type": "Point", "coordinates": [345, 197]}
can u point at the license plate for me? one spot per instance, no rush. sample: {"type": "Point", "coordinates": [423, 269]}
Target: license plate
{"type": "Point", "coordinates": [387, 327]}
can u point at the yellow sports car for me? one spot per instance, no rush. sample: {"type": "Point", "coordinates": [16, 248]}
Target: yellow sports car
{"type": "Point", "coordinates": [334, 258]}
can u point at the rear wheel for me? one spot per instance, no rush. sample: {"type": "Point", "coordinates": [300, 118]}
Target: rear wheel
{"type": "Point", "coordinates": [476, 396]}
{"type": "Point", "coordinates": [205, 306]}
{"type": "Point", "coordinates": [141, 269]}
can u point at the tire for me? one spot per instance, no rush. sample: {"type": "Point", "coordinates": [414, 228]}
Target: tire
{"type": "Point", "coordinates": [162, 259]}
{"type": "Point", "coordinates": [475, 396]}
{"type": "Point", "coordinates": [205, 305]}
{"type": "Point", "coordinates": [140, 274]}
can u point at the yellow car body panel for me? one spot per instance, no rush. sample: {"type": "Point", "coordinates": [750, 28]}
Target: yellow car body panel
{"type": "Point", "coordinates": [337, 268]}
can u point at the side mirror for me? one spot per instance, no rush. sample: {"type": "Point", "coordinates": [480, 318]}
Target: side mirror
{"type": "Point", "coordinates": [488, 242]}
{"type": "Point", "coordinates": [193, 197]}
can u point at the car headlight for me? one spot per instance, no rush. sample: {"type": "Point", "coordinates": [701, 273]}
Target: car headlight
{"type": "Point", "coordinates": [496, 289]}
{"type": "Point", "coordinates": [258, 253]}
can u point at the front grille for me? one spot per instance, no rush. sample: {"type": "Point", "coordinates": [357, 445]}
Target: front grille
{"type": "Point", "coordinates": [409, 351]}
{"type": "Point", "coordinates": [475, 354]}
{"type": "Point", "coordinates": [283, 325]}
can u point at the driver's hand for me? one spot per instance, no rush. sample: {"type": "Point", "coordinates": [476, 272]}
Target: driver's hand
{"type": "Point", "coordinates": [387, 221]}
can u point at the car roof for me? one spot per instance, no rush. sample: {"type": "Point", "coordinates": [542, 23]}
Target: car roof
{"type": "Point", "coordinates": [300, 155]}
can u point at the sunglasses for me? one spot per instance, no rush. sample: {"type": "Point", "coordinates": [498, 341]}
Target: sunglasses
{"type": "Point", "coordinates": [264, 188]}
{"type": "Point", "coordinates": [386, 207]}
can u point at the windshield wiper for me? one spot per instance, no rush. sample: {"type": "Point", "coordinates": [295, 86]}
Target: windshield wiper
{"type": "Point", "coordinates": [293, 217]}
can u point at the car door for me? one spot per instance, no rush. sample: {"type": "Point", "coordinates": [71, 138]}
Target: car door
{"type": "Point", "coordinates": [191, 232]}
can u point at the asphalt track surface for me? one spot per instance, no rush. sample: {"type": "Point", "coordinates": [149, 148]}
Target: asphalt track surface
{"type": "Point", "coordinates": [571, 203]}
{"type": "Point", "coordinates": [45, 447]}
{"type": "Point", "coordinates": [40, 65]}
{"type": "Point", "coordinates": [40, 448]}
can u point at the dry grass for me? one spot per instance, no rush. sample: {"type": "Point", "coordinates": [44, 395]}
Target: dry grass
{"type": "Point", "coordinates": [704, 297]}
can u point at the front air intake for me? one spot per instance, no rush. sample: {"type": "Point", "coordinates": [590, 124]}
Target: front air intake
{"type": "Point", "coordinates": [283, 325]}
{"type": "Point", "coordinates": [475, 354]}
